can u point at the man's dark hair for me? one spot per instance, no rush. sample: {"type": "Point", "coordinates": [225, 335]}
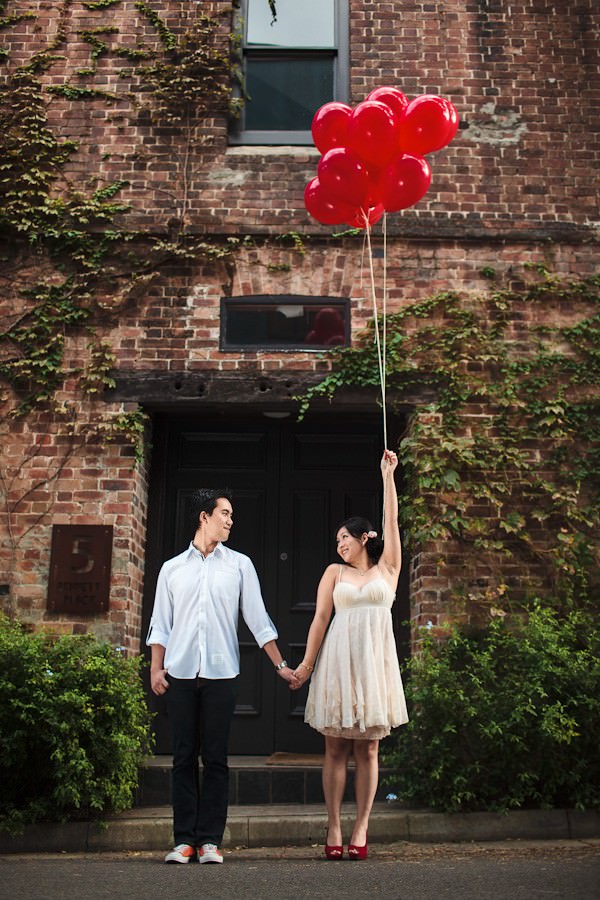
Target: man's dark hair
{"type": "Point", "coordinates": [205, 500]}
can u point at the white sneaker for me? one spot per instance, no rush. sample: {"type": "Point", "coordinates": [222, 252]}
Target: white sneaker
{"type": "Point", "coordinates": [209, 853]}
{"type": "Point", "coordinates": [182, 853]}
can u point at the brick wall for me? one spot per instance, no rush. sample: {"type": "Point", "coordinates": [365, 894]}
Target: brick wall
{"type": "Point", "coordinates": [49, 478]}
{"type": "Point", "coordinates": [515, 186]}
{"type": "Point", "coordinates": [523, 77]}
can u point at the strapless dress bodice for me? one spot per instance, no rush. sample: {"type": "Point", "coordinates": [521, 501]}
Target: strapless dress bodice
{"type": "Point", "coordinates": [375, 592]}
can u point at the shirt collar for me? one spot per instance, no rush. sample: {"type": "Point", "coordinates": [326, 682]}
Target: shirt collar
{"type": "Point", "coordinates": [218, 551]}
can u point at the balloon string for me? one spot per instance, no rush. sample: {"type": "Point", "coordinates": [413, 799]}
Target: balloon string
{"type": "Point", "coordinates": [384, 359]}
{"type": "Point", "coordinates": [380, 357]}
{"type": "Point", "coordinates": [362, 260]}
{"type": "Point", "coordinates": [384, 315]}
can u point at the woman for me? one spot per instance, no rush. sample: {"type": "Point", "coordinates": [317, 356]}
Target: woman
{"type": "Point", "coordinates": [356, 696]}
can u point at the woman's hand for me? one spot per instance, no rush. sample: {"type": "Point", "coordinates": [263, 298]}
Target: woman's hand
{"type": "Point", "coordinates": [302, 673]}
{"type": "Point", "coordinates": [389, 462]}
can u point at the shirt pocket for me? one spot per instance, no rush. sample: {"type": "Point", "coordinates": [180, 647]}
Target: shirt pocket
{"type": "Point", "coordinates": [225, 581]}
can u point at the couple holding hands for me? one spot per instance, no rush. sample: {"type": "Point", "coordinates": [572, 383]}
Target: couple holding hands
{"type": "Point", "coordinates": [355, 695]}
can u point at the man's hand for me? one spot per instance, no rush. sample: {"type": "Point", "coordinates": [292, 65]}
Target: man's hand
{"type": "Point", "coordinates": [158, 681]}
{"type": "Point", "coordinates": [288, 675]}
{"type": "Point", "coordinates": [302, 674]}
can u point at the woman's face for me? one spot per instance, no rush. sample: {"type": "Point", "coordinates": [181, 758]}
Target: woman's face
{"type": "Point", "coordinates": [348, 547]}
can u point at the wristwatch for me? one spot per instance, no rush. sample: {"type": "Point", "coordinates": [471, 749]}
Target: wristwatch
{"type": "Point", "coordinates": [282, 665]}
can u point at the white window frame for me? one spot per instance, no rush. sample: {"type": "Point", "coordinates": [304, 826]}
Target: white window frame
{"type": "Point", "coordinates": [341, 77]}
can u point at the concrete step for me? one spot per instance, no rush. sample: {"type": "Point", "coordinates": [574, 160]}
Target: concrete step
{"type": "Point", "coordinates": [251, 782]}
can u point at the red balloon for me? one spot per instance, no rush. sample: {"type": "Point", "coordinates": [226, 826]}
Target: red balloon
{"type": "Point", "coordinates": [373, 132]}
{"type": "Point", "coordinates": [343, 176]}
{"type": "Point", "coordinates": [324, 208]}
{"type": "Point", "coordinates": [330, 126]}
{"type": "Point", "coordinates": [454, 120]}
{"type": "Point", "coordinates": [428, 123]}
{"type": "Point", "coordinates": [392, 97]}
{"type": "Point", "coordinates": [362, 217]}
{"type": "Point", "coordinates": [404, 181]}
{"type": "Point", "coordinates": [374, 192]}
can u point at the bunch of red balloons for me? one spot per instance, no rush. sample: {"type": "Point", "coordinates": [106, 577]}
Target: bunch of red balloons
{"type": "Point", "coordinates": [373, 155]}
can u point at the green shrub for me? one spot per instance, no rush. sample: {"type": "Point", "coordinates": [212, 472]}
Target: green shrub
{"type": "Point", "coordinates": [506, 718]}
{"type": "Point", "coordinates": [74, 727]}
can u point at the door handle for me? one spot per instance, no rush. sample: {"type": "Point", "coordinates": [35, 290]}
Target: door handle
{"type": "Point", "coordinates": [283, 557]}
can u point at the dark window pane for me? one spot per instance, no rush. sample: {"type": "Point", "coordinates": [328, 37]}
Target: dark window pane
{"type": "Point", "coordinates": [286, 93]}
{"type": "Point", "coordinates": [284, 325]}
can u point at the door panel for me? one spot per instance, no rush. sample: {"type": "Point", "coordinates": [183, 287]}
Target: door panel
{"type": "Point", "coordinates": [250, 688]}
{"type": "Point", "coordinates": [222, 451]}
{"type": "Point", "coordinates": [309, 528]}
{"type": "Point", "coordinates": [292, 484]}
{"type": "Point", "coordinates": [331, 468]}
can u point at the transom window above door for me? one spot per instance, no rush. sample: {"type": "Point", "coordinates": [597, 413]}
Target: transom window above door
{"type": "Point", "coordinates": [284, 322]}
{"type": "Point", "coordinates": [291, 66]}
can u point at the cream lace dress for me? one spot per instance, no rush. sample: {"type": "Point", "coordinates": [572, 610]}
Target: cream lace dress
{"type": "Point", "coordinates": [356, 688]}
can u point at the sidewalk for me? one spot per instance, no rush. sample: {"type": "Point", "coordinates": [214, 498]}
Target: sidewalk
{"type": "Point", "coordinates": [149, 828]}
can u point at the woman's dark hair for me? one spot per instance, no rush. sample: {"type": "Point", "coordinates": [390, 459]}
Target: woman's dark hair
{"type": "Point", "coordinates": [357, 526]}
{"type": "Point", "coordinates": [205, 500]}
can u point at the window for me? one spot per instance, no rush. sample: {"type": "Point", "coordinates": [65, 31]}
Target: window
{"type": "Point", "coordinates": [284, 322]}
{"type": "Point", "coordinates": [292, 66]}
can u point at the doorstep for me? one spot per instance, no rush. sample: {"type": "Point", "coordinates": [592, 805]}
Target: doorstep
{"type": "Point", "coordinates": [252, 781]}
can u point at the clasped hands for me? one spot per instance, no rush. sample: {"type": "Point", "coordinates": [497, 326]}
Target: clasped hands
{"type": "Point", "coordinates": [297, 677]}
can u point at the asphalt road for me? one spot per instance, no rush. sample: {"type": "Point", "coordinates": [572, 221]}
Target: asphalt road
{"type": "Point", "coordinates": [403, 871]}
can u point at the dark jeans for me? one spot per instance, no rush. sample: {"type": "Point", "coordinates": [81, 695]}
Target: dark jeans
{"type": "Point", "coordinates": [200, 710]}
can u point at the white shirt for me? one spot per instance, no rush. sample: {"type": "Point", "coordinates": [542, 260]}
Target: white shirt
{"type": "Point", "coordinates": [196, 608]}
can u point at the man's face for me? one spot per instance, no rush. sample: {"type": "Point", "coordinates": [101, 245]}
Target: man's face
{"type": "Point", "coordinates": [218, 523]}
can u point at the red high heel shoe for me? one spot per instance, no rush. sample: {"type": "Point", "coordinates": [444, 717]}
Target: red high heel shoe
{"type": "Point", "coordinates": [333, 851]}
{"type": "Point", "coordinates": [355, 852]}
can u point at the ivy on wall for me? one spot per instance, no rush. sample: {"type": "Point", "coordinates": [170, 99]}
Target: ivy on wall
{"type": "Point", "coordinates": [505, 461]}
{"type": "Point", "coordinates": [86, 254]}
{"type": "Point", "coordinates": [68, 264]}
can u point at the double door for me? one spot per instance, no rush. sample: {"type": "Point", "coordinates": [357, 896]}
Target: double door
{"type": "Point", "coordinates": [292, 484]}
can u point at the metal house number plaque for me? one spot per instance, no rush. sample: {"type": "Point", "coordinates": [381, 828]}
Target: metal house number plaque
{"type": "Point", "coordinates": [80, 560]}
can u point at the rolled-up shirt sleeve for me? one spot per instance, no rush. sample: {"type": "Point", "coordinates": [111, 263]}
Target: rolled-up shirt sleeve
{"type": "Point", "coordinates": [252, 605]}
{"type": "Point", "coordinates": [161, 622]}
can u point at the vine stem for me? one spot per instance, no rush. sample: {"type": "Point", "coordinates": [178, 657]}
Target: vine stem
{"type": "Point", "coordinates": [185, 170]}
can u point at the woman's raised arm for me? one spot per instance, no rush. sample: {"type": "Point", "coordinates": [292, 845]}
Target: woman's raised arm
{"type": "Point", "coordinates": [391, 558]}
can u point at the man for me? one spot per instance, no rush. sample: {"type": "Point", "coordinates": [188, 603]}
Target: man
{"type": "Point", "coordinates": [195, 661]}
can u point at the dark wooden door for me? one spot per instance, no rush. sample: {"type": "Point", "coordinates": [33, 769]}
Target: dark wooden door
{"type": "Point", "coordinates": [292, 484]}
